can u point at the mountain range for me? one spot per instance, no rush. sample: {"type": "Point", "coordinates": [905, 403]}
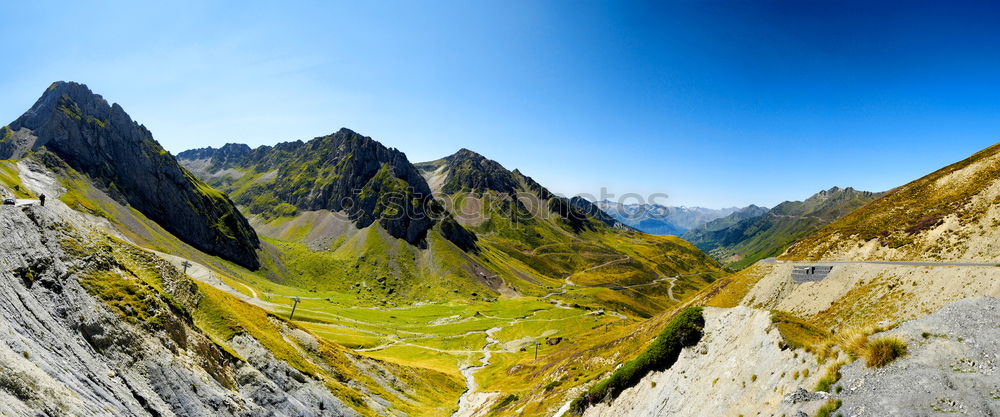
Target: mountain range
{"type": "Point", "coordinates": [333, 276]}
{"type": "Point", "coordinates": [662, 220]}
{"type": "Point", "coordinates": [755, 233]}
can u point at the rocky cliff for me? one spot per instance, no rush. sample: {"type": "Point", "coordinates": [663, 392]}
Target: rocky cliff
{"type": "Point", "coordinates": [121, 156]}
{"type": "Point", "coordinates": [98, 327]}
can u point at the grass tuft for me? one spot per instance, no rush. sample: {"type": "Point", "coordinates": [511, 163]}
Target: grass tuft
{"type": "Point", "coordinates": [883, 351]}
{"type": "Point", "coordinates": [827, 409]}
{"type": "Point", "coordinates": [831, 377]}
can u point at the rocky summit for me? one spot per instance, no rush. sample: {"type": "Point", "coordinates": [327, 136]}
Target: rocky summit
{"type": "Point", "coordinates": [344, 171]}
{"type": "Point", "coordinates": [120, 156]}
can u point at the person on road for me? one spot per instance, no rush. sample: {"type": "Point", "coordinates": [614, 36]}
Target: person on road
{"type": "Point", "coordinates": [41, 199]}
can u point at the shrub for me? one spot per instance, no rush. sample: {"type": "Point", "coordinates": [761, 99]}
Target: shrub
{"type": "Point", "coordinates": [881, 352]}
{"type": "Point", "coordinates": [684, 330]}
{"type": "Point", "coordinates": [17, 383]}
{"type": "Point", "coordinates": [505, 402]}
{"type": "Point", "coordinates": [827, 409]}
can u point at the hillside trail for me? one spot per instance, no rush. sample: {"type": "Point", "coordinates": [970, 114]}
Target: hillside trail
{"type": "Point", "coordinates": [662, 278]}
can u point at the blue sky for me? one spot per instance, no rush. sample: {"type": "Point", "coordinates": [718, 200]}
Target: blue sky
{"type": "Point", "coordinates": [714, 103]}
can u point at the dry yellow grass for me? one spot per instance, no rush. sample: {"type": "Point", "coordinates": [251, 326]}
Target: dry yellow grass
{"type": "Point", "coordinates": [883, 351]}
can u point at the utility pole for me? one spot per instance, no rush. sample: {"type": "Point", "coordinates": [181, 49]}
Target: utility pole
{"type": "Point", "coordinates": [295, 300]}
{"type": "Point", "coordinates": [186, 265]}
{"type": "Point", "coordinates": [536, 350]}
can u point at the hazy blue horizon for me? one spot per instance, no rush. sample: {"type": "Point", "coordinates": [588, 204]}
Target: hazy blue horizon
{"type": "Point", "coordinates": [717, 104]}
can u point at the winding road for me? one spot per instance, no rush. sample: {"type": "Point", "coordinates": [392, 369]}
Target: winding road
{"type": "Point", "coordinates": [904, 263]}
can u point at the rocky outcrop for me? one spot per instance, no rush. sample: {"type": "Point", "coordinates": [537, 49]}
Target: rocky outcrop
{"type": "Point", "coordinates": [342, 172]}
{"type": "Point", "coordinates": [121, 156]}
{"type": "Point", "coordinates": [228, 156]}
{"type": "Point", "coordinates": [63, 351]}
{"type": "Point", "coordinates": [520, 197]}
{"type": "Point", "coordinates": [471, 172]}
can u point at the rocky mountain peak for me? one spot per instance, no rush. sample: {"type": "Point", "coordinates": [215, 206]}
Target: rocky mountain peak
{"type": "Point", "coordinates": [469, 171]}
{"type": "Point", "coordinates": [121, 157]}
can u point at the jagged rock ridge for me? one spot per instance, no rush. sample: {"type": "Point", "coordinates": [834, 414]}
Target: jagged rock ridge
{"type": "Point", "coordinates": [344, 171]}
{"type": "Point", "coordinates": [467, 172]}
{"type": "Point", "coordinates": [121, 156]}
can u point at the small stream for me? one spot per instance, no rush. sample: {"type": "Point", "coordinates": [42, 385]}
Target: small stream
{"type": "Point", "coordinates": [465, 407]}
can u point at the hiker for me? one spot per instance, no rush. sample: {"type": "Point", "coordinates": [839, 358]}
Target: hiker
{"type": "Point", "coordinates": [41, 198]}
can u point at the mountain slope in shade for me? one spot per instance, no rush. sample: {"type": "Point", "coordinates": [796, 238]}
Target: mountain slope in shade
{"type": "Point", "coordinates": [121, 156]}
{"type": "Point", "coordinates": [746, 241]}
{"type": "Point", "coordinates": [594, 211]}
{"type": "Point", "coordinates": [749, 212]}
{"type": "Point", "coordinates": [950, 214]}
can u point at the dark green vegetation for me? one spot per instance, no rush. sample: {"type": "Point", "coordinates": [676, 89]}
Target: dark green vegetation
{"type": "Point", "coordinates": [741, 239]}
{"type": "Point", "coordinates": [898, 218]}
{"type": "Point", "coordinates": [684, 330]}
{"type": "Point", "coordinates": [831, 377]}
{"type": "Point", "coordinates": [827, 409]}
{"type": "Point", "coordinates": [80, 130]}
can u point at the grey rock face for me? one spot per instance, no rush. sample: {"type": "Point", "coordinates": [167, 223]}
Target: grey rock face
{"type": "Point", "coordinates": [102, 141]}
{"type": "Point", "coordinates": [64, 352]}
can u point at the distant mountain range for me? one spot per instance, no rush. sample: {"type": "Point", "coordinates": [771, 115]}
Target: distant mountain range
{"type": "Point", "coordinates": [755, 233]}
{"type": "Point", "coordinates": [662, 220]}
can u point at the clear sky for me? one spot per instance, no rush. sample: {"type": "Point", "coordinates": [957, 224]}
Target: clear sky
{"type": "Point", "coordinates": [714, 103]}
